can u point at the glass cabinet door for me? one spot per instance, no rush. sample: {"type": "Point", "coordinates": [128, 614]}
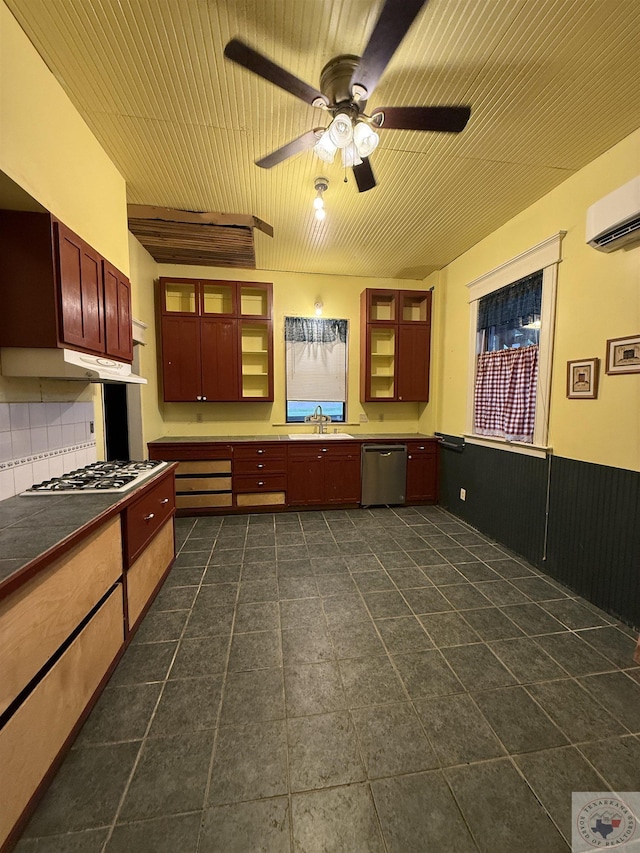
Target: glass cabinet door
{"type": "Point", "coordinates": [179, 297]}
{"type": "Point", "coordinates": [255, 300]}
{"type": "Point", "coordinates": [382, 306]}
{"type": "Point", "coordinates": [218, 298]}
{"type": "Point", "coordinates": [415, 306]}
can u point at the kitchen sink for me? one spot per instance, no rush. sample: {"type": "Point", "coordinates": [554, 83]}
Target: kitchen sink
{"type": "Point", "coordinates": [320, 436]}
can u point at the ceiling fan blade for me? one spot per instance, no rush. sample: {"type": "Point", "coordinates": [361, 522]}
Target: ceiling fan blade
{"type": "Point", "coordinates": [240, 53]}
{"type": "Point", "coordinates": [296, 146]}
{"type": "Point", "coordinates": [363, 173]}
{"type": "Point", "coordinates": [392, 26]}
{"type": "Point", "coordinates": [446, 119]}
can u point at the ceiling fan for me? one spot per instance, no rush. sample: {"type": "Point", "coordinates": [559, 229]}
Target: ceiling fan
{"type": "Point", "coordinates": [346, 83]}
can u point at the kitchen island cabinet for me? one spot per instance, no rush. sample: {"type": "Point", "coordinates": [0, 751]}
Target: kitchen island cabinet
{"type": "Point", "coordinates": [69, 296]}
{"type": "Point", "coordinates": [66, 616]}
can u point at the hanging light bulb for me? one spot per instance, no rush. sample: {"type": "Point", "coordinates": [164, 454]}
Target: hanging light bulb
{"type": "Point", "coordinates": [341, 130]}
{"type": "Point", "coordinates": [365, 139]}
{"type": "Point", "coordinates": [320, 186]}
{"type": "Point", "coordinates": [350, 156]}
{"type": "Point", "coordinates": [325, 148]}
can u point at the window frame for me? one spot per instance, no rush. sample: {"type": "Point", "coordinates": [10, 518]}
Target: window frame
{"type": "Point", "coordinates": [544, 256]}
{"type": "Point", "coordinates": [312, 404]}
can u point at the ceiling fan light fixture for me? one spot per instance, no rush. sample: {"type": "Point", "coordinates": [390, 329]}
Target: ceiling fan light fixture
{"type": "Point", "coordinates": [350, 156]}
{"type": "Point", "coordinates": [341, 130]}
{"type": "Point", "coordinates": [365, 139]}
{"type": "Point", "coordinates": [325, 148]}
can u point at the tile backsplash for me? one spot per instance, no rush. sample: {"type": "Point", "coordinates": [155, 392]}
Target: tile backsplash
{"type": "Point", "coordinates": [43, 440]}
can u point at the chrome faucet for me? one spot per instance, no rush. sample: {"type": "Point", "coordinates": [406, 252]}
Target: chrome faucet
{"type": "Point", "coordinates": [318, 419]}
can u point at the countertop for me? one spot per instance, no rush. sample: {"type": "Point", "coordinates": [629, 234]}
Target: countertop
{"type": "Point", "coordinates": [237, 439]}
{"type": "Point", "coordinates": [34, 529]}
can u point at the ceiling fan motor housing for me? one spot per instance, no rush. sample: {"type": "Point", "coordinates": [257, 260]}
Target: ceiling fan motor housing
{"type": "Point", "coordinates": [335, 80]}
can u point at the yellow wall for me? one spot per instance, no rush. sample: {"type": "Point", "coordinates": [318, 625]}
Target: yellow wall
{"type": "Point", "coordinates": [598, 298]}
{"type": "Point", "coordinates": [48, 150]}
{"type": "Point", "coordinates": [293, 294]}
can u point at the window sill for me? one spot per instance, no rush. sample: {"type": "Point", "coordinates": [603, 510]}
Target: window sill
{"type": "Point", "coordinates": [539, 451]}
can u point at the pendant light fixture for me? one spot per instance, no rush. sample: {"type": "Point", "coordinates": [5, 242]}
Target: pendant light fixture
{"type": "Point", "coordinates": [320, 185]}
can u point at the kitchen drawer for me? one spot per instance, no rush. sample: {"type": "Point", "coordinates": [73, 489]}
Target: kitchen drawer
{"type": "Point", "coordinates": [37, 618]}
{"type": "Point", "coordinates": [259, 466]}
{"type": "Point", "coordinates": [203, 484]}
{"type": "Point", "coordinates": [255, 499]}
{"type": "Point", "coordinates": [198, 501]}
{"type": "Point", "coordinates": [146, 515]}
{"type": "Point", "coordinates": [145, 574]}
{"type": "Point", "coordinates": [317, 448]}
{"type": "Point", "coordinates": [421, 447]}
{"type": "Point", "coordinates": [216, 466]}
{"type": "Point", "coordinates": [258, 483]}
{"type": "Point", "coordinates": [33, 737]}
{"type": "Point", "coordinates": [259, 451]}
{"type": "Point", "coordinates": [186, 451]}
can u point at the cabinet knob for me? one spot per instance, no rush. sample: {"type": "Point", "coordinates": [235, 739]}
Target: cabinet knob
{"type": "Point", "coordinates": [421, 448]}
{"type": "Point", "coordinates": [260, 483]}
{"type": "Point", "coordinates": [164, 501]}
{"type": "Point", "coordinates": [203, 398]}
{"type": "Point", "coordinates": [324, 449]}
{"type": "Point", "coordinates": [259, 451]}
{"type": "Point", "coordinates": [150, 516]}
{"type": "Point", "coordinates": [259, 465]}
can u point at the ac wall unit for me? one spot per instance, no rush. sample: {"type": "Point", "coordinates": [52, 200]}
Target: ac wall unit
{"type": "Point", "coordinates": [614, 221]}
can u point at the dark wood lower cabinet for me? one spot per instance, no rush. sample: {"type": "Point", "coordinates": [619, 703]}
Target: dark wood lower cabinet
{"type": "Point", "coordinates": [422, 472]}
{"type": "Point", "coordinates": [263, 475]}
{"type": "Point", "coordinates": [324, 474]}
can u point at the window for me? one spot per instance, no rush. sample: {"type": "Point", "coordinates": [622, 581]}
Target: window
{"type": "Point", "coordinates": [511, 336]}
{"type": "Point", "coordinates": [316, 367]}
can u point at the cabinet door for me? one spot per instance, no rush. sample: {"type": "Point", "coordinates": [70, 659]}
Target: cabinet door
{"type": "Point", "coordinates": [305, 480]}
{"type": "Point", "coordinates": [117, 313]}
{"type": "Point", "coordinates": [342, 478]}
{"type": "Point", "coordinates": [81, 299]}
{"type": "Point", "coordinates": [413, 362]}
{"type": "Point", "coordinates": [181, 359]}
{"type": "Point", "coordinates": [219, 365]}
{"type": "Point", "coordinates": [422, 475]}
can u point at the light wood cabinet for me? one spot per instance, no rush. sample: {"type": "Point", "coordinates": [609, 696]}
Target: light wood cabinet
{"type": "Point", "coordinates": [395, 345]}
{"type": "Point", "coordinates": [217, 340]}
{"type": "Point", "coordinates": [69, 296]}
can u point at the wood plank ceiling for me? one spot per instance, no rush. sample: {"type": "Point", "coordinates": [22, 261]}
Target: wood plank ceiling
{"type": "Point", "coordinates": [552, 84]}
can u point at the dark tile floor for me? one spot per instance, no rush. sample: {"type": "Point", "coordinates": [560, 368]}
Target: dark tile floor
{"type": "Point", "coordinates": [357, 681]}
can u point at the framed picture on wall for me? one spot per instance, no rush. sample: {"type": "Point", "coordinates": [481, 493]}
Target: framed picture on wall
{"type": "Point", "coordinates": [623, 355]}
{"type": "Point", "coordinates": [582, 379]}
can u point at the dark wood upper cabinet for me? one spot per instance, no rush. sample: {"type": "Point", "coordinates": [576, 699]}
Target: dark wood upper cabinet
{"type": "Point", "coordinates": [117, 313]}
{"type": "Point", "coordinates": [230, 356]}
{"type": "Point", "coordinates": [395, 346]}
{"type": "Point", "coordinates": [58, 291]}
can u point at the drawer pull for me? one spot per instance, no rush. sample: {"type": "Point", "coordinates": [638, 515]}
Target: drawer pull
{"type": "Point", "coordinates": [164, 501]}
{"type": "Point", "coordinates": [324, 449]}
{"type": "Point", "coordinates": [421, 448]}
{"type": "Point", "coordinates": [260, 483]}
{"type": "Point", "coordinates": [150, 516]}
{"type": "Point", "coordinates": [260, 465]}
{"type": "Point", "coordinates": [259, 451]}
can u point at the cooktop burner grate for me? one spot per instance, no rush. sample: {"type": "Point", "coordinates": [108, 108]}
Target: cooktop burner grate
{"type": "Point", "coordinates": [99, 477]}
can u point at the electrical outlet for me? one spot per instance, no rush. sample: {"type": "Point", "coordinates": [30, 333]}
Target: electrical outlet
{"type": "Point", "coordinates": [381, 417]}
{"type": "Point", "coordinates": [199, 417]}
{"type": "Point", "coordinates": [364, 419]}
{"type": "Point", "coordinates": [463, 494]}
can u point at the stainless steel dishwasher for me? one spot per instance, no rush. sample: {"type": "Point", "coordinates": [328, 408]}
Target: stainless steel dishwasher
{"type": "Point", "coordinates": [384, 474]}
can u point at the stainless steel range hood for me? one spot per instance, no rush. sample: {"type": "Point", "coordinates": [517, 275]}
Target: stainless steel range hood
{"type": "Point", "coordinates": [65, 364]}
